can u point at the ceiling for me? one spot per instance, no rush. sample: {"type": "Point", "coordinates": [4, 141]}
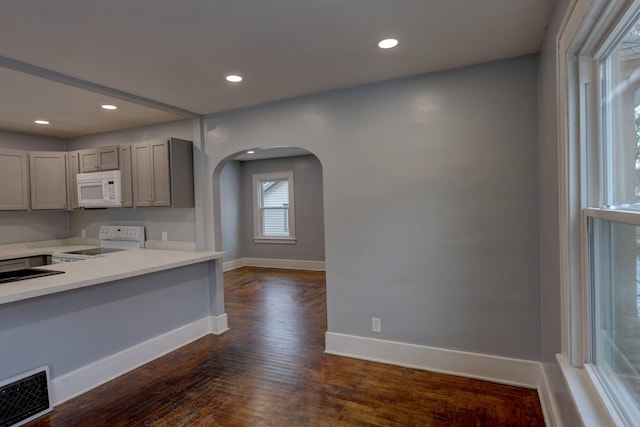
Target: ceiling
{"type": "Point", "coordinates": [161, 60]}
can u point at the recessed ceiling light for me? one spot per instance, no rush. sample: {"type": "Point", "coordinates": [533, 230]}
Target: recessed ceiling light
{"type": "Point", "coordinates": [109, 107]}
{"type": "Point", "coordinates": [250, 152]}
{"type": "Point", "coordinates": [41, 122]}
{"type": "Point", "coordinates": [388, 43]}
{"type": "Point", "coordinates": [234, 78]}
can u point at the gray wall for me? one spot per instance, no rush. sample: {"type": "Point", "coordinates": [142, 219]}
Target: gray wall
{"type": "Point", "coordinates": [430, 199]}
{"type": "Point", "coordinates": [178, 223]}
{"type": "Point", "coordinates": [232, 210]}
{"type": "Point", "coordinates": [22, 226]}
{"type": "Point", "coordinates": [549, 217]}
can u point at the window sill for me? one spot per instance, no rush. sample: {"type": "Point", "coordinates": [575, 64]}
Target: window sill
{"type": "Point", "coordinates": [594, 409]}
{"type": "Point", "coordinates": [275, 240]}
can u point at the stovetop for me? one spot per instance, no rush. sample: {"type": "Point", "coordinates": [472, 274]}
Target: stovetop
{"type": "Point", "coordinates": [95, 251]}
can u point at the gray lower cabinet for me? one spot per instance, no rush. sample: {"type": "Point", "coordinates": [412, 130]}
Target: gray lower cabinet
{"type": "Point", "coordinates": [162, 172]}
{"type": "Point", "coordinates": [14, 180]}
{"type": "Point", "coordinates": [98, 159]}
{"type": "Point", "coordinates": [14, 264]}
{"type": "Point", "coordinates": [48, 171]}
{"type": "Point", "coordinates": [26, 262]}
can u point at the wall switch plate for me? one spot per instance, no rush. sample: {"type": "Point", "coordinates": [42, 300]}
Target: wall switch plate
{"type": "Point", "coordinates": [164, 235]}
{"type": "Point", "coordinates": [376, 324]}
{"type": "Point", "coordinates": [83, 233]}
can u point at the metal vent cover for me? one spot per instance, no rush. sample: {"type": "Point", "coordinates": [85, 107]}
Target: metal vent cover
{"type": "Point", "coordinates": [25, 397]}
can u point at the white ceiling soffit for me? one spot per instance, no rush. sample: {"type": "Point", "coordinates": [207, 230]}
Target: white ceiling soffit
{"type": "Point", "coordinates": [178, 52]}
{"type": "Point", "coordinates": [271, 152]}
{"type": "Point", "coordinates": [70, 111]}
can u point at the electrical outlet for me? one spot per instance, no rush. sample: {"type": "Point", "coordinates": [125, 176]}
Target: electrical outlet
{"type": "Point", "coordinates": [164, 235]}
{"type": "Point", "coordinates": [376, 324]}
{"type": "Point", "coordinates": [83, 233]}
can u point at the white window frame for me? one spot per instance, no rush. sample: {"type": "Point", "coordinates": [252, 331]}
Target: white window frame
{"type": "Point", "coordinates": [586, 37]}
{"type": "Point", "coordinates": [258, 236]}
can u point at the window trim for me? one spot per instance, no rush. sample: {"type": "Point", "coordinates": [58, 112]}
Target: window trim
{"type": "Point", "coordinates": [258, 237]}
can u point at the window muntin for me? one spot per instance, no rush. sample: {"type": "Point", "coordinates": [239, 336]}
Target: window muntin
{"type": "Point", "coordinates": [273, 207]}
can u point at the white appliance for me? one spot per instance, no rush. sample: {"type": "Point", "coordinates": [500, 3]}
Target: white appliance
{"type": "Point", "coordinates": [99, 189]}
{"type": "Point", "coordinates": [113, 238]}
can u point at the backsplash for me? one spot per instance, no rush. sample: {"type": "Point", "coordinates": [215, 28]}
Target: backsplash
{"type": "Point", "coordinates": [21, 226]}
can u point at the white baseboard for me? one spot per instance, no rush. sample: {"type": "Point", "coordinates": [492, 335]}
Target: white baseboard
{"type": "Point", "coordinates": [548, 403]}
{"type": "Point", "coordinates": [502, 370]}
{"type": "Point", "coordinates": [233, 264]}
{"type": "Point", "coordinates": [293, 264]}
{"type": "Point", "coordinates": [218, 324]}
{"type": "Point", "coordinates": [81, 380]}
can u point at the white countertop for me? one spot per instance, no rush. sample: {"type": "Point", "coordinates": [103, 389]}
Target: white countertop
{"type": "Point", "coordinates": [89, 272]}
{"type": "Point", "coordinates": [18, 251]}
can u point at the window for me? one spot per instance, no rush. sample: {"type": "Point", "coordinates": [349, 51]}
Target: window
{"type": "Point", "coordinates": [273, 208]}
{"type": "Point", "coordinates": [608, 90]}
{"type": "Point", "coordinates": [612, 236]}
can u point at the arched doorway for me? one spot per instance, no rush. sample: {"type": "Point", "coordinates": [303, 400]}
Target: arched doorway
{"type": "Point", "coordinates": [238, 220]}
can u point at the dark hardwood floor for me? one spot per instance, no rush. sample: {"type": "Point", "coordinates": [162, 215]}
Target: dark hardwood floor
{"type": "Point", "coordinates": [270, 370]}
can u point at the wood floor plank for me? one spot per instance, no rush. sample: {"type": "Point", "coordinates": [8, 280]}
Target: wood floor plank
{"type": "Point", "coordinates": [270, 370]}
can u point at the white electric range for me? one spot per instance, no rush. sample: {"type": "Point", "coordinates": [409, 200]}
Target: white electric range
{"type": "Point", "coordinates": [113, 238]}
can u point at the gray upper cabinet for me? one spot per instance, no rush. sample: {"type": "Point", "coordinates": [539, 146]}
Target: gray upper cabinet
{"type": "Point", "coordinates": [14, 180]}
{"type": "Point", "coordinates": [48, 171]}
{"type": "Point", "coordinates": [126, 176]}
{"type": "Point", "coordinates": [72, 184]}
{"type": "Point", "coordinates": [162, 173]}
{"type": "Point", "coordinates": [98, 159]}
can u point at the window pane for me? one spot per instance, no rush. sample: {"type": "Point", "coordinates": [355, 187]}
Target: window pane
{"type": "Point", "coordinates": [275, 194]}
{"type": "Point", "coordinates": [275, 222]}
{"type": "Point", "coordinates": [615, 304]}
{"type": "Point", "coordinates": [621, 122]}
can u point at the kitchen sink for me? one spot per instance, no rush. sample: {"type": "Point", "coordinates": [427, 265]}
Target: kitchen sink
{"type": "Point", "coordinates": [25, 273]}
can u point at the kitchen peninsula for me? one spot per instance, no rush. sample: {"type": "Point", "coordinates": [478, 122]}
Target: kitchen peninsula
{"type": "Point", "coordinates": [107, 315]}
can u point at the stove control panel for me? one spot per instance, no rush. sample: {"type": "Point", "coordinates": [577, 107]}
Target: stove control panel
{"type": "Point", "coordinates": [122, 233]}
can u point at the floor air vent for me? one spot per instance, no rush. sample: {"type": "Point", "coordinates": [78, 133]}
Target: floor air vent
{"type": "Point", "coordinates": [24, 397]}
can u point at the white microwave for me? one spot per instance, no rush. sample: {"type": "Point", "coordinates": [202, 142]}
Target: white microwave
{"type": "Point", "coordinates": [99, 189]}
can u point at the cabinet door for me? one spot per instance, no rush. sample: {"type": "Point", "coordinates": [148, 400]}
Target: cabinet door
{"type": "Point", "coordinates": [141, 174]}
{"type": "Point", "coordinates": [48, 180]}
{"type": "Point", "coordinates": [14, 180]}
{"type": "Point", "coordinates": [151, 177]}
{"type": "Point", "coordinates": [88, 160]}
{"type": "Point", "coordinates": [72, 187]}
{"type": "Point", "coordinates": [160, 173]}
{"type": "Point", "coordinates": [107, 158]}
{"type": "Point", "coordinates": [126, 176]}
